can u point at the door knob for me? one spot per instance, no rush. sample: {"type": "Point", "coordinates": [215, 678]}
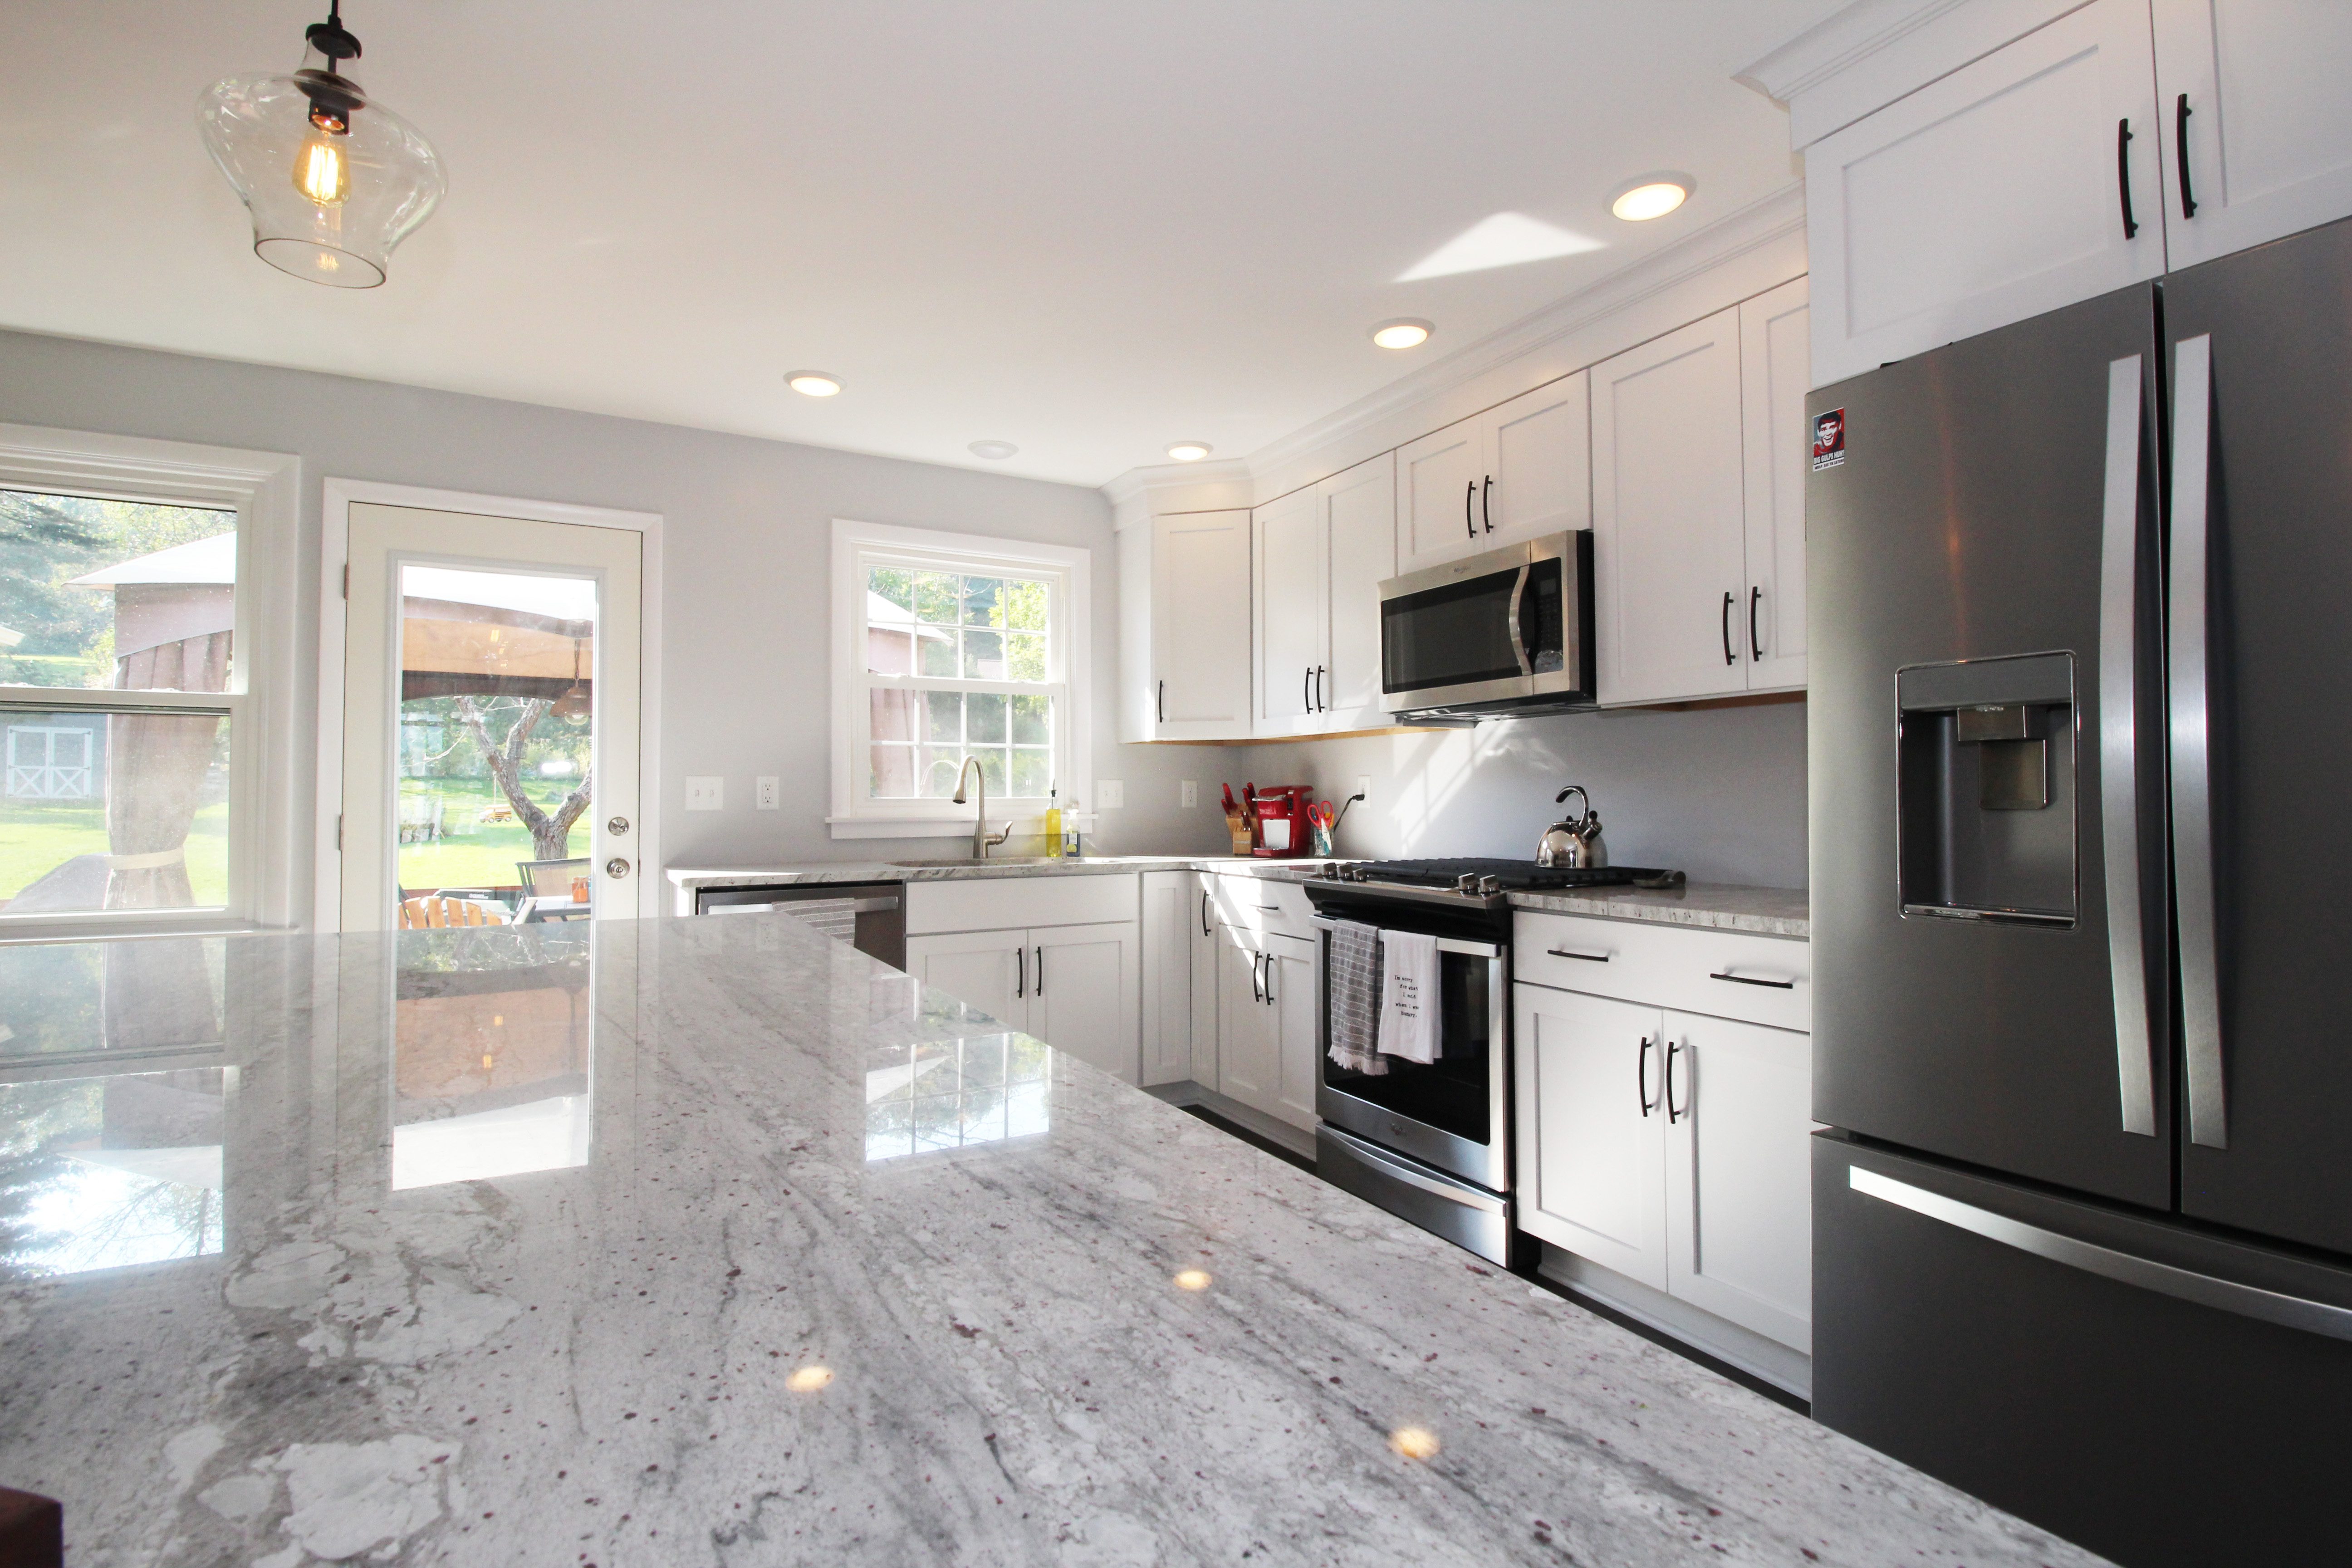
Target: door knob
{"type": "Point", "coordinates": [616, 867]}
{"type": "Point", "coordinates": [617, 826]}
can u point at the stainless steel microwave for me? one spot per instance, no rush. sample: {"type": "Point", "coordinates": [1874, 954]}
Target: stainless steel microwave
{"type": "Point", "coordinates": [1504, 633]}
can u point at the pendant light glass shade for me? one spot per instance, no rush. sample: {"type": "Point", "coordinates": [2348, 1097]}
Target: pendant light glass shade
{"type": "Point", "coordinates": [333, 180]}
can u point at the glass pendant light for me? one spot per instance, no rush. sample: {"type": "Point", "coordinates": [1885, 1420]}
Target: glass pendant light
{"type": "Point", "coordinates": [333, 180]}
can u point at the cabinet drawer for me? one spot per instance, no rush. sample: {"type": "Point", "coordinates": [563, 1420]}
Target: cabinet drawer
{"type": "Point", "coordinates": [1269, 908]}
{"type": "Point", "coordinates": [1726, 974]}
{"type": "Point", "coordinates": [1005, 903]}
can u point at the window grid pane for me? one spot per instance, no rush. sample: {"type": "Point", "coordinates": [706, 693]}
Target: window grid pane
{"type": "Point", "coordinates": [1012, 737]}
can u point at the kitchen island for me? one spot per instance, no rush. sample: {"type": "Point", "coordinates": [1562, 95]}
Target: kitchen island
{"type": "Point", "coordinates": [715, 1241]}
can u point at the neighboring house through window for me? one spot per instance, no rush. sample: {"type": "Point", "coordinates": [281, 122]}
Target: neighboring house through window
{"type": "Point", "coordinates": [948, 647]}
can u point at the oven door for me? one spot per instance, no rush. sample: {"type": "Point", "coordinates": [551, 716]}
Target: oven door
{"type": "Point", "coordinates": [1451, 1113]}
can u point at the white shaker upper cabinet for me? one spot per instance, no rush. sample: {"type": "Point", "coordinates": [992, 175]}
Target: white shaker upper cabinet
{"type": "Point", "coordinates": [1777, 442]}
{"type": "Point", "coordinates": [1200, 627]}
{"type": "Point", "coordinates": [1288, 569]}
{"type": "Point", "coordinates": [1994, 193]}
{"type": "Point", "coordinates": [1437, 481]}
{"type": "Point", "coordinates": [2256, 90]}
{"type": "Point", "coordinates": [1668, 538]}
{"type": "Point", "coordinates": [1356, 509]}
{"type": "Point", "coordinates": [1517, 471]}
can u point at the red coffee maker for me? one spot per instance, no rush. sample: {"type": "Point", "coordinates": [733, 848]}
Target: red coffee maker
{"type": "Point", "coordinates": [1280, 829]}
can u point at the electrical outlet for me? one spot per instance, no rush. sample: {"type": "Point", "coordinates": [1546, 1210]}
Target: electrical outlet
{"type": "Point", "coordinates": [706, 794]}
{"type": "Point", "coordinates": [771, 792]}
{"type": "Point", "coordinates": [1110, 794]}
{"type": "Point", "coordinates": [1188, 794]}
{"type": "Point", "coordinates": [1364, 787]}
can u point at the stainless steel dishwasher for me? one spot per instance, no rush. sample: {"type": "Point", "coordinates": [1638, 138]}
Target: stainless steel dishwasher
{"type": "Point", "coordinates": [869, 916]}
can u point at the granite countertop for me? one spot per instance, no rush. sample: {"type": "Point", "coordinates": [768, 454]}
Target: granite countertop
{"type": "Point", "coordinates": [1718, 906]}
{"type": "Point", "coordinates": [715, 1241]}
{"type": "Point", "coordinates": [688, 877]}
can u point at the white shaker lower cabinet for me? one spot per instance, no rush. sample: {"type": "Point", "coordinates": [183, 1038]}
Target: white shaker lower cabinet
{"type": "Point", "coordinates": [1267, 1023]}
{"type": "Point", "coordinates": [1201, 931]}
{"type": "Point", "coordinates": [1172, 903]}
{"type": "Point", "coordinates": [1592, 1137]}
{"type": "Point", "coordinates": [1074, 987]}
{"type": "Point", "coordinates": [1669, 1145]}
{"type": "Point", "coordinates": [1738, 1174]}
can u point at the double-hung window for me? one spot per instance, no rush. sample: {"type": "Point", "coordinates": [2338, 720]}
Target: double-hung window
{"type": "Point", "coordinates": [132, 638]}
{"type": "Point", "coordinates": [952, 649]}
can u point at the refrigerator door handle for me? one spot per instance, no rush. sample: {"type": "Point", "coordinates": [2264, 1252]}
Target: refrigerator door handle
{"type": "Point", "coordinates": [2119, 748]}
{"type": "Point", "coordinates": [2124, 1268]}
{"type": "Point", "coordinates": [2193, 782]}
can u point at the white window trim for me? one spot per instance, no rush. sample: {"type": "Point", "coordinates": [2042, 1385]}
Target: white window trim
{"type": "Point", "coordinates": [853, 816]}
{"type": "Point", "coordinates": [335, 554]}
{"type": "Point", "coordinates": [266, 766]}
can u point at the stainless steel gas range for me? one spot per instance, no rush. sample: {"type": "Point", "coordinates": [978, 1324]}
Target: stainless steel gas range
{"type": "Point", "coordinates": [1431, 1141]}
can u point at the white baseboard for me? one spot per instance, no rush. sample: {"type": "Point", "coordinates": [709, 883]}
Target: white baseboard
{"type": "Point", "coordinates": [1744, 1348]}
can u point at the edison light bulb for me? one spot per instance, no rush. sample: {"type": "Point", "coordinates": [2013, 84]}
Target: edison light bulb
{"type": "Point", "coordinates": [321, 173]}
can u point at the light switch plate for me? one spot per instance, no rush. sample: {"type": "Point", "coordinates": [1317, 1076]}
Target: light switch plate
{"type": "Point", "coordinates": [1110, 794]}
{"type": "Point", "coordinates": [706, 794]}
{"type": "Point", "coordinates": [1188, 794]}
{"type": "Point", "coordinates": [771, 793]}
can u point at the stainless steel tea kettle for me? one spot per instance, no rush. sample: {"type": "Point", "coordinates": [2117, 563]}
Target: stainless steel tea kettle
{"type": "Point", "coordinates": [1573, 842]}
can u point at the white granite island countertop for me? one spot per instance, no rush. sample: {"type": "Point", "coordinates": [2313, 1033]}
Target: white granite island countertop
{"type": "Point", "coordinates": [702, 1241]}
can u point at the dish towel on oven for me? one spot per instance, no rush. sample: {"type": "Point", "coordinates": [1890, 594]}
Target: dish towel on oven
{"type": "Point", "coordinates": [1356, 998]}
{"type": "Point", "coordinates": [1408, 995]}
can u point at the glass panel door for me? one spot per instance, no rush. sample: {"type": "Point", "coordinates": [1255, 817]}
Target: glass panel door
{"type": "Point", "coordinates": [490, 721]}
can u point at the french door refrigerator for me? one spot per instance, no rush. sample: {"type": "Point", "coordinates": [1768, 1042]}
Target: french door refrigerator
{"type": "Point", "coordinates": [2081, 734]}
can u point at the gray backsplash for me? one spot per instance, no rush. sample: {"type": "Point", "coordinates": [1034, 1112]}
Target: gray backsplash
{"type": "Point", "coordinates": [1718, 792]}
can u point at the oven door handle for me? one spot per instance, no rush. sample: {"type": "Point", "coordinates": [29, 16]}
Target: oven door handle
{"type": "Point", "coordinates": [1444, 943]}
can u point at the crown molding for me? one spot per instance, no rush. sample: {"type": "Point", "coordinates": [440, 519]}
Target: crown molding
{"type": "Point", "coordinates": [1758, 223]}
{"type": "Point", "coordinates": [1874, 51]}
{"type": "Point", "coordinates": [1154, 478]}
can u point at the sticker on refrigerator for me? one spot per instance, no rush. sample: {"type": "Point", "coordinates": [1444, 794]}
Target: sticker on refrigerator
{"type": "Point", "coordinates": [1829, 440]}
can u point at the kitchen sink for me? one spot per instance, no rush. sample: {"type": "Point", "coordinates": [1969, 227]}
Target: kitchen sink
{"type": "Point", "coordinates": [1000, 860]}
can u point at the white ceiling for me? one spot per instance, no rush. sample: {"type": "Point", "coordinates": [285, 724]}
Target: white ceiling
{"type": "Point", "coordinates": [1090, 227]}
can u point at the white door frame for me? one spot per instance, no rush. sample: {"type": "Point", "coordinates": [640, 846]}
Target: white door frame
{"type": "Point", "coordinates": [334, 554]}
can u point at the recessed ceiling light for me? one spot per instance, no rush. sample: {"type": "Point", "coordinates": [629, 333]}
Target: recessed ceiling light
{"type": "Point", "coordinates": [1404, 332]}
{"type": "Point", "coordinates": [995, 451]}
{"type": "Point", "coordinates": [1189, 451]}
{"type": "Point", "coordinates": [1652, 195]}
{"type": "Point", "coordinates": [812, 383]}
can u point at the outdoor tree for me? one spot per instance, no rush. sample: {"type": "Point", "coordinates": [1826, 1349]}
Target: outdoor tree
{"type": "Point", "coordinates": [551, 834]}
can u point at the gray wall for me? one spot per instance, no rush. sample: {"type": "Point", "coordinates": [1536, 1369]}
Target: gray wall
{"type": "Point", "coordinates": [1718, 792]}
{"type": "Point", "coordinates": [748, 531]}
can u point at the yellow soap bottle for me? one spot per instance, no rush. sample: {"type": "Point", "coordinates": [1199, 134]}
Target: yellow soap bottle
{"type": "Point", "coordinates": [1054, 823]}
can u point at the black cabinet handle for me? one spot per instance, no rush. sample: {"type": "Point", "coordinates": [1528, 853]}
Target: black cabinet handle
{"type": "Point", "coordinates": [1728, 657]}
{"type": "Point", "coordinates": [1486, 502]}
{"type": "Point", "coordinates": [1257, 981]}
{"type": "Point", "coordinates": [1039, 988]}
{"type": "Point", "coordinates": [1469, 494]}
{"type": "Point", "coordinates": [1588, 957]}
{"type": "Point", "coordinates": [1755, 644]}
{"type": "Point", "coordinates": [1322, 699]}
{"type": "Point", "coordinates": [1745, 980]}
{"type": "Point", "coordinates": [1021, 971]}
{"type": "Point", "coordinates": [1642, 1078]}
{"type": "Point", "coordinates": [1674, 1113]}
{"type": "Point", "coordinates": [2180, 143]}
{"type": "Point", "coordinates": [1163, 703]}
{"type": "Point", "coordinates": [1269, 980]}
{"type": "Point", "coordinates": [1306, 679]}
{"type": "Point", "coordinates": [2123, 176]}
{"type": "Point", "coordinates": [1205, 913]}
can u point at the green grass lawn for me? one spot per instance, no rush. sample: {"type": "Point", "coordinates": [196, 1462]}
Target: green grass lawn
{"type": "Point", "coordinates": [38, 835]}
{"type": "Point", "coordinates": [473, 852]}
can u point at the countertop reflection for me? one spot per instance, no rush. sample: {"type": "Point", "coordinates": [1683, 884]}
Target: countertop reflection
{"type": "Point", "coordinates": [652, 1242]}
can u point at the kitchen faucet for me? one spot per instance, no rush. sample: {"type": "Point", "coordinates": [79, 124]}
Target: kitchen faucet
{"type": "Point", "coordinates": [981, 839]}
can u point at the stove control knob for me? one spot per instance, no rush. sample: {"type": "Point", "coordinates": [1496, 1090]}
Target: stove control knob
{"type": "Point", "coordinates": [1490, 886]}
{"type": "Point", "coordinates": [1466, 883]}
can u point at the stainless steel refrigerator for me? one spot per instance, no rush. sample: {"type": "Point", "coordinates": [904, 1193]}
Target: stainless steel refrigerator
{"type": "Point", "coordinates": [2080, 734]}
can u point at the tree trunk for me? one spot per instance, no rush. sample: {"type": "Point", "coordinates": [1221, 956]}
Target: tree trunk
{"type": "Point", "coordinates": [550, 836]}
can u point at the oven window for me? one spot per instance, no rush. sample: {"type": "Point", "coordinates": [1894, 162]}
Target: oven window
{"type": "Point", "coordinates": [1450, 636]}
{"type": "Point", "coordinates": [1452, 1092]}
